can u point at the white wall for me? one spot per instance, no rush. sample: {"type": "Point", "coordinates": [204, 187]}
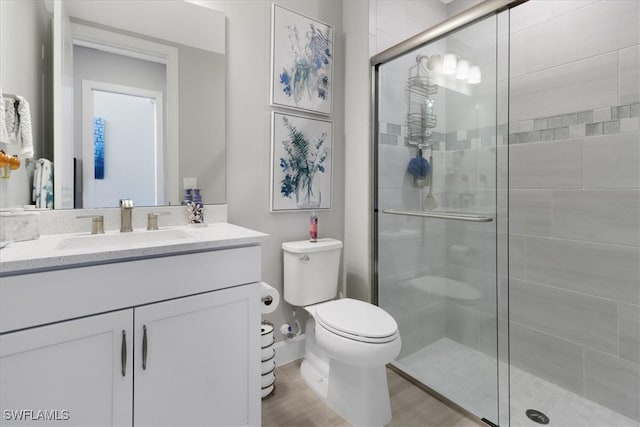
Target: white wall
{"type": "Point", "coordinates": [357, 216]}
{"type": "Point", "coordinates": [249, 129]}
{"type": "Point", "coordinates": [25, 70]}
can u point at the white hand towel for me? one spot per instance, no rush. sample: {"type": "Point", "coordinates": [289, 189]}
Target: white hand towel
{"type": "Point", "coordinates": [46, 185]}
{"type": "Point", "coordinates": [16, 125]}
{"type": "Point", "coordinates": [37, 183]}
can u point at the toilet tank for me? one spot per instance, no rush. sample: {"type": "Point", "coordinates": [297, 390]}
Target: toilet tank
{"type": "Point", "coordinates": [311, 271]}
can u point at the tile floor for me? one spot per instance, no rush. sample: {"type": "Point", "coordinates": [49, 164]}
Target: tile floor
{"type": "Point", "coordinates": [472, 372]}
{"type": "Point", "coordinates": [294, 405]}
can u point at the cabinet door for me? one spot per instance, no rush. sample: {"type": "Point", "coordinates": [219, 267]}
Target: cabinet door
{"type": "Point", "coordinates": [69, 370]}
{"type": "Point", "coordinates": [202, 365]}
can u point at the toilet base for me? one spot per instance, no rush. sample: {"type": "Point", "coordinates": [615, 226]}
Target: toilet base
{"type": "Point", "coordinates": [361, 396]}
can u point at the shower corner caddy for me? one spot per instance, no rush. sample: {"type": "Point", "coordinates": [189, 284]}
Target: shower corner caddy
{"type": "Point", "coordinates": [420, 117]}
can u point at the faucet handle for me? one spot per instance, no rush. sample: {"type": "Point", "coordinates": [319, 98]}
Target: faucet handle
{"type": "Point", "coordinates": [152, 219]}
{"type": "Point", "coordinates": [97, 223]}
{"type": "Point", "coordinates": [126, 203]}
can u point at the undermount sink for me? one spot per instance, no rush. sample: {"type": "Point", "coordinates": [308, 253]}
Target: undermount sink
{"type": "Point", "coordinates": [123, 239]}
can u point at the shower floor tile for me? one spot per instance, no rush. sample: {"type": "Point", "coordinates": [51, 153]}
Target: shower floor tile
{"type": "Point", "coordinates": [468, 377]}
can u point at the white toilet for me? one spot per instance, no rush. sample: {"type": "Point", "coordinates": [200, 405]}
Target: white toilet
{"type": "Point", "coordinates": [348, 342]}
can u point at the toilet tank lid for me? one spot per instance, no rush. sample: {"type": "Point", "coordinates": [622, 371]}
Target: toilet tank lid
{"type": "Point", "coordinates": [305, 246]}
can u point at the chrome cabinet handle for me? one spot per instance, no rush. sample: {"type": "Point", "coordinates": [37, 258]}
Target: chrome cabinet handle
{"type": "Point", "coordinates": [123, 354]}
{"type": "Point", "coordinates": [144, 347]}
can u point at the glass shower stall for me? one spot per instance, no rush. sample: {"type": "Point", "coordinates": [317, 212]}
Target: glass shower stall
{"type": "Point", "coordinates": [507, 210]}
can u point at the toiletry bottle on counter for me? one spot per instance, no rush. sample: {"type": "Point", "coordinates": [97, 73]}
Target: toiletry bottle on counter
{"type": "Point", "coordinates": [313, 228]}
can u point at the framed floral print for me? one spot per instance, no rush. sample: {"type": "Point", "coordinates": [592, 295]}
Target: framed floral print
{"type": "Point", "coordinates": [301, 62]}
{"type": "Point", "coordinates": [301, 168]}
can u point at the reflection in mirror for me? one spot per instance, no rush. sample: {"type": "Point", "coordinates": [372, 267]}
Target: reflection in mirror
{"type": "Point", "coordinates": [25, 71]}
{"type": "Point", "coordinates": [141, 102]}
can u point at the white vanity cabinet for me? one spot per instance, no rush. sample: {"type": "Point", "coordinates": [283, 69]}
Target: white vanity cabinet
{"type": "Point", "coordinates": [72, 369]}
{"type": "Point", "coordinates": [184, 331]}
{"type": "Point", "coordinates": [198, 365]}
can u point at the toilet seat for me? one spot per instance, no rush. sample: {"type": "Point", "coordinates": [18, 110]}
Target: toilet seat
{"type": "Point", "coordinates": [357, 320]}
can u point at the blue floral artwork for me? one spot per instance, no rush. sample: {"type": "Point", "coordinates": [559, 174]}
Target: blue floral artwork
{"type": "Point", "coordinates": [302, 62]}
{"type": "Point", "coordinates": [301, 169]}
{"type": "Point", "coordinates": [98, 147]}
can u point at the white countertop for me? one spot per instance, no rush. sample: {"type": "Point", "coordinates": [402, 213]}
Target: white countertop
{"type": "Point", "coordinates": [48, 252]}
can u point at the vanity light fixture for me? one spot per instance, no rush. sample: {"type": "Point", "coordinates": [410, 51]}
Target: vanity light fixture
{"type": "Point", "coordinates": [449, 64]}
{"type": "Point", "coordinates": [475, 76]}
{"type": "Point", "coordinates": [462, 71]}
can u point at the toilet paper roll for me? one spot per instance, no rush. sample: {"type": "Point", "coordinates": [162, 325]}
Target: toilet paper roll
{"type": "Point", "coordinates": [270, 298]}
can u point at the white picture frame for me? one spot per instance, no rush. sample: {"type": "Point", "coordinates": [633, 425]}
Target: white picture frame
{"type": "Point", "coordinates": [301, 163]}
{"type": "Point", "coordinates": [301, 62]}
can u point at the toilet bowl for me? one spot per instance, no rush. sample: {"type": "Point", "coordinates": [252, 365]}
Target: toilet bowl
{"type": "Point", "coordinates": [348, 342]}
{"type": "Point", "coordinates": [356, 332]}
{"type": "Point", "coordinates": [344, 363]}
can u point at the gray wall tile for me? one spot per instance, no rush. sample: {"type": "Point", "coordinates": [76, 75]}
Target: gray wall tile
{"type": "Point", "coordinates": [585, 117]}
{"type": "Point", "coordinates": [530, 212]}
{"type": "Point", "coordinates": [577, 131]}
{"type": "Point", "coordinates": [602, 114]}
{"type": "Point", "coordinates": [546, 165]}
{"type": "Point", "coordinates": [562, 133]}
{"type": "Point", "coordinates": [594, 129]}
{"type": "Point", "coordinates": [612, 382]}
{"type": "Point", "coordinates": [540, 124]}
{"type": "Point", "coordinates": [394, 129]}
{"type": "Point", "coordinates": [421, 328]}
{"type": "Point", "coordinates": [575, 86]}
{"type": "Point", "coordinates": [612, 161]}
{"type": "Point", "coordinates": [587, 320]}
{"type": "Point", "coordinates": [630, 124]}
{"type": "Point", "coordinates": [570, 119]}
{"type": "Point", "coordinates": [607, 216]}
{"type": "Point", "coordinates": [547, 134]}
{"type": "Point", "coordinates": [629, 315]}
{"type": "Point", "coordinates": [488, 334]}
{"type": "Point", "coordinates": [611, 127]}
{"type": "Point", "coordinates": [629, 67]}
{"type": "Point", "coordinates": [516, 256]}
{"type": "Point", "coordinates": [550, 358]}
{"type": "Point", "coordinates": [462, 325]}
{"type": "Point", "coordinates": [610, 271]}
{"type": "Point", "coordinates": [621, 112]}
{"type": "Point", "coordinates": [554, 122]}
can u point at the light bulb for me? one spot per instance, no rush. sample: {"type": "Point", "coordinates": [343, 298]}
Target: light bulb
{"type": "Point", "coordinates": [462, 71]}
{"type": "Point", "coordinates": [449, 64]}
{"type": "Point", "coordinates": [435, 63]}
{"type": "Point", "coordinates": [475, 76]}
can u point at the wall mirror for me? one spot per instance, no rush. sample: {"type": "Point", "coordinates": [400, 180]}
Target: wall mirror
{"type": "Point", "coordinates": [139, 102]}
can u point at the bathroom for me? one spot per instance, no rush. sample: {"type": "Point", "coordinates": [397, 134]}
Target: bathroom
{"type": "Point", "coordinates": [558, 271]}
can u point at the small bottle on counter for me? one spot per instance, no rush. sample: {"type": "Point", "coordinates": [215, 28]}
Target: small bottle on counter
{"type": "Point", "coordinates": [313, 228]}
{"type": "Point", "coordinates": [196, 197]}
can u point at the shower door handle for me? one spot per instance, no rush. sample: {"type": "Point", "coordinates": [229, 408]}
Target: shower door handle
{"type": "Point", "coordinates": [441, 215]}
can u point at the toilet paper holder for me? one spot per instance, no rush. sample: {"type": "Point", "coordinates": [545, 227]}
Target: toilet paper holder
{"type": "Point", "coordinates": [267, 300]}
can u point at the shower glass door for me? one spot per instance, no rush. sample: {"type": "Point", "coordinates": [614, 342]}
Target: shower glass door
{"type": "Point", "coordinates": [440, 139]}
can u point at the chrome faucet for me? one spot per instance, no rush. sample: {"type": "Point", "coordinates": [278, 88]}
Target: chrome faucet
{"type": "Point", "coordinates": [126, 210]}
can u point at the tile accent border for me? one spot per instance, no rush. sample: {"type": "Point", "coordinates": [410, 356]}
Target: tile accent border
{"type": "Point", "coordinates": [599, 121]}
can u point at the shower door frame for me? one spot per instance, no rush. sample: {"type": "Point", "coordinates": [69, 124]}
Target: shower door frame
{"type": "Point", "coordinates": [464, 19]}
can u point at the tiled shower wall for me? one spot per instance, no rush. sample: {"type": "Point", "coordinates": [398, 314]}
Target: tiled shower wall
{"type": "Point", "coordinates": [574, 209]}
{"type": "Point", "coordinates": [574, 199]}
